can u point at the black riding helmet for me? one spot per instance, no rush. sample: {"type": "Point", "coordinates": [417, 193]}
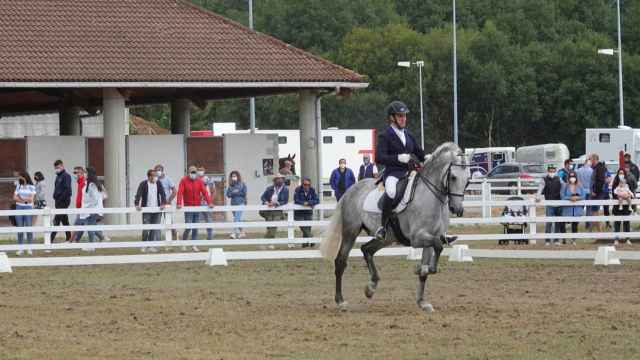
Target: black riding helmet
{"type": "Point", "coordinates": [397, 107]}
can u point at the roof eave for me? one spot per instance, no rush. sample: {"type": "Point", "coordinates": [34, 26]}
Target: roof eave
{"type": "Point", "coordinates": [185, 84]}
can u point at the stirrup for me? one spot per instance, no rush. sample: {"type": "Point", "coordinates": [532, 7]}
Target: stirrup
{"type": "Point", "coordinates": [381, 233]}
{"type": "Point", "coordinates": [449, 239]}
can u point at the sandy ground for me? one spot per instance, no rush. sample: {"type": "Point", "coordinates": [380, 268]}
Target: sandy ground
{"type": "Point", "coordinates": [255, 310]}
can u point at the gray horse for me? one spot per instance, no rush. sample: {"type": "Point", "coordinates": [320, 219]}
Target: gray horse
{"type": "Point", "coordinates": [440, 188]}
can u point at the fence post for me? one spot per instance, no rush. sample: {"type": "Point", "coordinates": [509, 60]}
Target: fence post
{"type": "Point", "coordinates": [533, 227]}
{"type": "Point", "coordinates": [168, 220]}
{"type": "Point", "coordinates": [486, 196]}
{"type": "Point", "coordinates": [46, 222]}
{"type": "Point", "coordinates": [519, 186]}
{"type": "Point", "coordinates": [290, 228]}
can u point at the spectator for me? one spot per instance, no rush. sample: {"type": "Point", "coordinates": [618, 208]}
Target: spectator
{"type": "Point", "coordinates": [341, 179]}
{"type": "Point", "coordinates": [191, 190]}
{"type": "Point", "coordinates": [61, 197]}
{"type": "Point", "coordinates": [305, 195]}
{"type": "Point", "coordinates": [632, 181]}
{"type": "Point", "coordinates": [600, 188]}
{"type": "Point", "coordinates": [100, 216]}
{"type": "Point", "coordinates": [79, 174]}
{"type": "Point", "coordinates": [368, 170]}
{"type": "Point", "coordinates": [39, 201]}
{"type": "Point", "coordinates": [624, 195]}
{"type": "Point", "coordinates": [91, 199]}
{"type": "Point", "coordinates": [170, 191]}
{"type": "Point", "coordinates": [550, 187]}
{"type": "Point", "coordinates": [584, 179]}
{"type": "Point", "coordinates": [564, 172]}
{"type": "Point", "coordinates": [23, 196]}
{"type": "Point", "coordinates": [150, 194]}
{"type": "Point", "coordinates": [573, 191]}
{"type": "Point", "coordinates": [274, 196]}
{"type": "Point", "coordinates": [237, 194]}
{"type": "Point", "coordinates": [206, 216]}
{"type": "Point", "coordinates": [632, 167]}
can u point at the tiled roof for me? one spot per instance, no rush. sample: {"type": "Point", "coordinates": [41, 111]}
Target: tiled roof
{"type": "Point", "coordinates": [145, 41]}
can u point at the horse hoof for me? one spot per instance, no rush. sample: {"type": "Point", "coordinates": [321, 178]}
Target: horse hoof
{"type": "Point", "coordinates": [343, 306]}
{"type": "Point", "coordinates": [369, 291]}
{"type": "Point", "coordinates": [426, 307]}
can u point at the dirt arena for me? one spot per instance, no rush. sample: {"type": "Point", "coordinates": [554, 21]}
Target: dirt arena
{"type": "Point", "coordinates": [488, 309]}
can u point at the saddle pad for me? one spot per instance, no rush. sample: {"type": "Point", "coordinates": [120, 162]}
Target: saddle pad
{"type": "Point", "coordinates": [371, 201]}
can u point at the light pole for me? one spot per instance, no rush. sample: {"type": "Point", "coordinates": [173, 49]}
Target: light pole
{"type": "Point", "coordinates": [455, 78]}
{"type": "Point", "coordinates": [252, 100]}
{"type": "Point", "coordinates": [420, 65]}
{"type": "Point", "coordinates": [619, 51]}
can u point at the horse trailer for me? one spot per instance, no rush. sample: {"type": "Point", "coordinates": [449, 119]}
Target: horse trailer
{"type": "Point", "coordinates": [543, 154]}
{"type": "Point", "coordinates": [483, 160]}
{"type": "Point", "coordinates": [608, 143]}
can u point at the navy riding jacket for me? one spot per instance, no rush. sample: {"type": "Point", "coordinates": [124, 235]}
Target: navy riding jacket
{"type": "Point", "coordinates": [389, 146]}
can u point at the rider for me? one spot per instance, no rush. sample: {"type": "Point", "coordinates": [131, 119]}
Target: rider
{"type": "Point", "coordinates": [393, 150]}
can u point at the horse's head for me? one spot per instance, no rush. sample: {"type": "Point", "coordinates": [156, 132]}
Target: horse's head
{"type": "Point", "coordinates": [448, 166]}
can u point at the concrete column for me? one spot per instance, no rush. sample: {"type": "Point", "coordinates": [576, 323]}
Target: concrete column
{"type": "Point", "coordinates": [113, 112]}
{"type": "Point", "coordinates": [70, 122]}
{"type": "Point", "coordinates": [181, 117]}
{"type": "Point", "coordinates": [309, 111]}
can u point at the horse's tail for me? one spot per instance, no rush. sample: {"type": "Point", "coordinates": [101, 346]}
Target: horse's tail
{"type": "Point", "coordinates": [332, 237]}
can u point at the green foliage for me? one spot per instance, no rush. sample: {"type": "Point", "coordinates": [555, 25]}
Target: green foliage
{"type": "Point", "coordinates": [528, 71]}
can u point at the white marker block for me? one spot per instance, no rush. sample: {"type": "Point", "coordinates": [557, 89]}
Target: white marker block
{"type": "Point", "coordinates": [459, 253]}
{"type": "Point", "coordinates": [5, 266]}
{"type": "Point", "coordinates": [216, 257]}
{"type": "Point", "coordinates": [607, 255]}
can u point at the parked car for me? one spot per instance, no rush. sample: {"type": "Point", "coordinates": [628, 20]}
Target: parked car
{"type": "Point", "coordinates": [529, 175]}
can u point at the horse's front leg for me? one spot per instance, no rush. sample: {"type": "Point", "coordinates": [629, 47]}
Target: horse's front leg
{"type": "Point", "coordinates": [427, 255]}
{"type": "Point", "coordinates": [368, 250]}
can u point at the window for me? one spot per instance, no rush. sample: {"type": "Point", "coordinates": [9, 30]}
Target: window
{"type": "Point", "coordinates": [498, 157]}
{"type": "Point", "coordinates": [327, 140]}
{"type": "Point", "coordinates": [282, 139]}
{"type": "Point", "coordinates": [550, 154]}
{"type": "Point", "coordinates": [605, 138]}
{"type": "Point", "coordinates": [350, 139]}
{"type": "Point", "coordinates": [534, 168]}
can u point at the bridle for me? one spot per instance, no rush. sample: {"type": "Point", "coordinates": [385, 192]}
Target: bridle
{"type": "Point", "coordinates": [442, 191]}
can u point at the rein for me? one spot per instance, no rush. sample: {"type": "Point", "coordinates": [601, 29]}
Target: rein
{"type": "Point", "coordinates": [442, 192]}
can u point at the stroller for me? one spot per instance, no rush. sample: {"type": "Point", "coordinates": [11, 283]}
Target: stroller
{"type": "Point", "coordinates": [515, 227]}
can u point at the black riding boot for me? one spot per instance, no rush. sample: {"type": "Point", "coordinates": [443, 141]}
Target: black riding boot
{"type": "Point", "coordinates": [385, 205]}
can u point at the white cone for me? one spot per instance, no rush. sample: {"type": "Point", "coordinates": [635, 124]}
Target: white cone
{"type": "Point", "coordinates": [216, 257]}
{"type": "Point", "coordinates": [5, 266]}
{"type": "Point", "coordinates": [460, 253]}
{"type": "Point", "coordinates": [607, 255]}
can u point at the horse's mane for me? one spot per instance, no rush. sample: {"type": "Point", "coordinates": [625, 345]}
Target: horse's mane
{"type": "Point", "coordinates": [439, 155]}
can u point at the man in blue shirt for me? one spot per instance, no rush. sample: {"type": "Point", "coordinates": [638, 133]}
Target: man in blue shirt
{"type": "Point", "coordinates": [341, 179]}
{"type": "Point", "coordinates": [305, 195]}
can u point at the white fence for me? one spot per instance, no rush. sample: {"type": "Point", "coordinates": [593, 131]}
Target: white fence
{"type": "Point", "coordinates": [532, 234]}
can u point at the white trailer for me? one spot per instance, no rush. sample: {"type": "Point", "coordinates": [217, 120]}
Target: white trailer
{"type": "Point", "coordinates": [483, 160]}
{"type": "Point", "coordinates": [350, 144]}
{"type": "Point", "coordinates": [543, 154]}
{"type": "Point", "coordinates": [608, 143]}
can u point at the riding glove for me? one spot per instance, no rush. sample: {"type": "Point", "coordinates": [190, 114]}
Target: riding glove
{"type": "Point", "coordinates": [404, 158]}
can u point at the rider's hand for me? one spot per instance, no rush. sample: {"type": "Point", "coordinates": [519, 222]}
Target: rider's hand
{"type": "Point", "coordinates": [404, 158]}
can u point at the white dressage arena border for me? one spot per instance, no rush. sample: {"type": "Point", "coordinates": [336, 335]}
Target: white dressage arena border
{"type": "Point", "coordinates": [605, 255]}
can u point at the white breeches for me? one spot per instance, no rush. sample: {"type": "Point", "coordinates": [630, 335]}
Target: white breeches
{"type": "Point", "coordinates": [390, 186]}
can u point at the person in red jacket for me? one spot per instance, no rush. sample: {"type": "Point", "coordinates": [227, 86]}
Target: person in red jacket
{"type": "Point", "coordinates": [190, 192]}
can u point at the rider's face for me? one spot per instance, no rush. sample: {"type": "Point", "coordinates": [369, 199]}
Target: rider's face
{"type": "Point", "coordinates": [401, 120]}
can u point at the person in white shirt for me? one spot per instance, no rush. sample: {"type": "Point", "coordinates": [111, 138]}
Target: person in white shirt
{"type": "Point", "coordinates": [91, 199]}
{"type": "Point", "coordinates": [150, 194]}
{"type": "Point", "coordinates": [23, 196]}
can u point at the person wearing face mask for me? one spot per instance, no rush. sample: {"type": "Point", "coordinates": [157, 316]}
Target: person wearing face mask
{"type": "Point", "coordinates": [368, 170]}
{"type": "Point", "coordinates": [61, 197]}
{"type": "Point", "coordinates": [600, 189]}
{"type": "Point", "coordinates": [624, 195]}
{"type": "Point", "coordinates": [342, 178]}
{"type": "Point", "coordinates": [394, 148]}
{"type": "Point", "coordinates": [306, 196]}
{"type": "Point", "coordinates": [150, 194]}
{"type": "Point", "coordinates": [274, 196]}
{"type": "Point", "coordinates": [23, 196]}
{"type": "Point", "coordinates": [237, 194]}
{"type": "Point", "coordinates": [550, 188]}
{"type": "Point", "coordinates": [584, 175]}
{"type": "Point", "coordinates": [205, 216]}
{"type": "Point", "coordinates": [573, 191]}
{"type": "Point", "coordinates": [170, 192]}
{"type": "Point", "coordinates": [633, 168]}
{"type": "Point", "coordinates": [191, 190]}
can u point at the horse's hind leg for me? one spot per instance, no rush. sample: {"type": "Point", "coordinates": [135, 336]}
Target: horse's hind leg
{"type": "Point", "coordinates": [368, 250]}
{"type": "Point", "coordinates": [348, 240]}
